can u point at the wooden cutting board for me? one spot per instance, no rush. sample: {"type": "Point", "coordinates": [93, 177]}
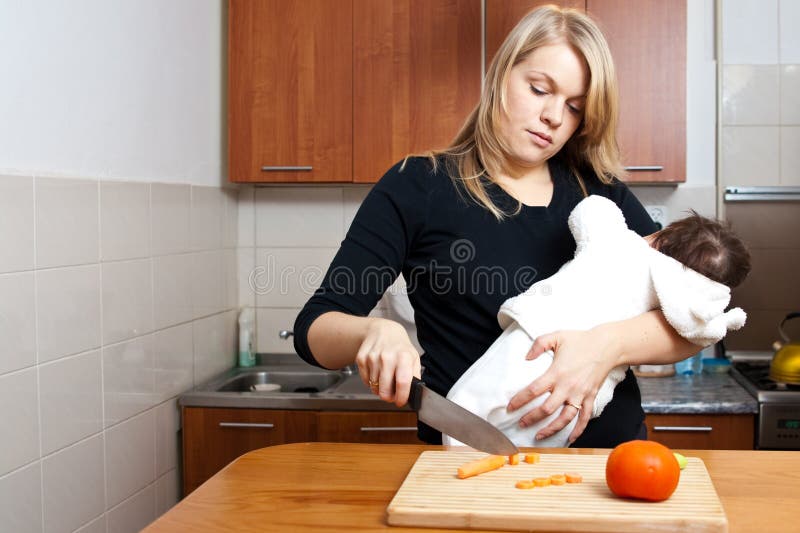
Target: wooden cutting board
{"type": "Point", "coordinates": [432, 496]}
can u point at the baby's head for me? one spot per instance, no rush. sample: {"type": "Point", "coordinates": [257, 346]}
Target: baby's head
{"type": "Point", "coordinates": [706, 246]}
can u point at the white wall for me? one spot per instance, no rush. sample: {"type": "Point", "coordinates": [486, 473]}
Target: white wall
{"type": "Point", "coordinates": [113, 89]}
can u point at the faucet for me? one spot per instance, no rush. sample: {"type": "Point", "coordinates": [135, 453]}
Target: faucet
{"type": "Point", "coordinates": [285, 334]}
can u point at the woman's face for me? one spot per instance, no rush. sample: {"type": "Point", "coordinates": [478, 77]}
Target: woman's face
{"type": "Point", "coordinates": [545, 97]}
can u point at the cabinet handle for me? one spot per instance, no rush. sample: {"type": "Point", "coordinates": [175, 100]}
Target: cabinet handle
{"type": "Point", "coordinates": [245, 425]}
{"type": "Point", "coordinates": [390, 428]}
{"type": "Point", "coordinates": [697, 429]}
{"type": "Point", "coordinates": [285, 169]}
{"type": "Point", "coordinates": [645, 168]}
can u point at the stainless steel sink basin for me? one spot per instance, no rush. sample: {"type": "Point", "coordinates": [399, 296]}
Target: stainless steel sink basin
{"type": "Point", "coordinates": [287, 381]}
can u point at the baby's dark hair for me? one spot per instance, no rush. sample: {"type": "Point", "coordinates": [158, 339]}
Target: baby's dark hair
{"type": "Point", "coordinates": [707, 246]}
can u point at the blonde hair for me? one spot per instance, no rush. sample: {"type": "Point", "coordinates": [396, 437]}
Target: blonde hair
{"type": "Point", "coordinates": [477, 153]}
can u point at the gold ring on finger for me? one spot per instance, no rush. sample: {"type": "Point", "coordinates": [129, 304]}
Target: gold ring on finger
{"type": "Point", "coordinates": [373, 384]}
{"type": "Point", "coordinates": [578, 407]}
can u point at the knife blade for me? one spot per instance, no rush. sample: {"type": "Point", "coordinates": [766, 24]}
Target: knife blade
{"type": "Point", "coordinates": [452, 419]}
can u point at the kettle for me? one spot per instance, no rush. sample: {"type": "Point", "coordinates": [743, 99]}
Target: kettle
{"type": "Point", "coordinates": [785, 366]}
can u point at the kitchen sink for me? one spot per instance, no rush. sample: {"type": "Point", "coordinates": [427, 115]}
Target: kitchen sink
{"type": "Point", "coordinates": [281, 381]}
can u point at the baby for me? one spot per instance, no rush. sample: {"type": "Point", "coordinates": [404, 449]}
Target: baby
{"type": "Point", "coordinates": [685, 269]}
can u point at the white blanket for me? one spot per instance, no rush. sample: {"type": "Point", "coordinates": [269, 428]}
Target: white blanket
{"type": "Point", "coordinates": [615, 275]}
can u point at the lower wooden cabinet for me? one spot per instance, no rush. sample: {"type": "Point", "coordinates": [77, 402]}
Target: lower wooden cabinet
{"type": "Point", "coordinates": [703, 432]}
{"type": "Point", "coordinates": [373, 427]}
{"type": "Point", "coordinates": [213, 437]}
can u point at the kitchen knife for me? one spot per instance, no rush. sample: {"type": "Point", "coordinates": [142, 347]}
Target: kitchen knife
{"type": "Point", "coordinates": [452, 419]}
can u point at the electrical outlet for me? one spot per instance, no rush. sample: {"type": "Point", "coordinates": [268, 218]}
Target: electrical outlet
{"type": "Point", "coordinates": [659, 214]}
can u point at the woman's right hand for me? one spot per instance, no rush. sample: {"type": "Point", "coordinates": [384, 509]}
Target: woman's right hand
{"type": "Point", "coordinates": [387, 361]}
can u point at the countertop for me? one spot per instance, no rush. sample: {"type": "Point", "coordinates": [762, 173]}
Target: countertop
{"type": "Point", "coordinates": [694, 394]}
{"type": "Point", "coordinates": [347, 487]}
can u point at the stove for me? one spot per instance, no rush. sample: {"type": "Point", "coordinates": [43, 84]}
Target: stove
{"type": "Point", "coordinates": [778, 406]}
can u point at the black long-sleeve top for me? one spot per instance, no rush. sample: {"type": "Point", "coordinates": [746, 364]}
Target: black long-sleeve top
{"type": "Point", "coordinates": [460, 265]}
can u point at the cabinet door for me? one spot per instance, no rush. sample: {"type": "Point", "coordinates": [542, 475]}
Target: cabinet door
{"type": "Point", "coordinates": [703, 432]}
{"type": "Point", "coordinates": [290, 88]}
{"type": "Point", "coordinates": [648, 42]}
{"type": "Point", "coordinates": [417, 76]}
{"type": "Point", "coordinates": [214, 437]}
{"type": "Point", "coordinates": [503, 15]}
{"type": "Point", "coordinates": [370, 427]}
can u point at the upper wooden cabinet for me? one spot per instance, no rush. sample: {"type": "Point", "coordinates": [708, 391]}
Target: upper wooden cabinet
{"type": "Point", "coordinates": [290, 90]}
{"type": "Point", "coordinates": [648, 41]}
{"type": "Point", "coordinates": [416, 78]}
{"type": "Point", "coordinates": [338, 91]}
{"type": "Point", "coordinates": [341, 90]}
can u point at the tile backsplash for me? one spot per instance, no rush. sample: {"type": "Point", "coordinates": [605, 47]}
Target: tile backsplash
{"type": "Point", "coordinates": [760, 120]}
{"type": "Point", "coordinates": [115, 297]}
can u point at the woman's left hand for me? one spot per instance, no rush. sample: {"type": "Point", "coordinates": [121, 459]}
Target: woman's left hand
{"type": "Point", "coordinates": [580, 365]}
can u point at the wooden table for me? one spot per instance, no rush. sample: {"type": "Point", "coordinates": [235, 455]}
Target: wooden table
{"type": "Point", "coordinates": [347, 487]}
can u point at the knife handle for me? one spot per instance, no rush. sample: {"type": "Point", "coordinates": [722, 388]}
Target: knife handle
{"type": "Point", "coordinates": [415, 394]}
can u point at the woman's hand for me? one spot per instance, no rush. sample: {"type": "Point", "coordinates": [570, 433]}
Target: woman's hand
{"type": "Point", "coordinates": [582, 362]}
{"type": "Point", "coordinates": [387, 361]}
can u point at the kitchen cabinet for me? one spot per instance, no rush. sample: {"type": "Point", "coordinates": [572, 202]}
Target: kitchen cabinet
{"type": "Point", "coordinates": [648, 44]}
{"type": "Point", "coordinates": [290, 90]}
{"type": "Point", "coordinates": [213, 437]}
{"type": "Point", "coordinates": [368, 427]}
{"type": "Point", "coordinates": [323, 91]}
{"type": "Point", "coordinates": [702, 432]}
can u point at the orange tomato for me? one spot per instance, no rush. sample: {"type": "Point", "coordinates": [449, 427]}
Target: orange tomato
{"type": "Point", "coordinates": [642, 469]}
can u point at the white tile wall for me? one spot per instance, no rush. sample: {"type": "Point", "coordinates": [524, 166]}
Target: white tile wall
{"type": "Point", "coordinates": [19, 419]}
{"type": "Point", "coordinates": [16, 223]}
{"type": "Point", "coordinates": [128, 379]}
{"type": "Point", "coordinates": [789, 16]}
{"type": "Point", "coordinates": [270, 321]}
{"type": "Point", "coordinates": [790, 155]}
{"type": "Point", "coordinates": [172, 289]}
{"type": "Point", "coordinates": [750, 32]}
{"type": "Point", "coordinates": [206, 218]}
{"type": "Point", "coordinates": [96, 317]}
{"type": "Point", "coordinates": [287, 277]}
{"type": "Point", "coordinates": [761, 89]}
{"type": "Point", "coordinates": [73, 486]}
{"type": "Point", "coordinates": [67, 226]}
{"type": "Point", "coordinates": [68, 311]}
{"type": "Point", "coordinates": [133, 514]}
{"type": "Point", "coordinates": [17, 321]}
{"type": "Point", "coordinates": [750, 155]}
{"type": "Point", "coordinates": [287, 222]}
{"type": "Point", "coordinates": [124, 220]}
{"type": "Point", "coordinates": [130, 457]}
{"type": "Point", "coordinates": [750, 95]}
{"type": "Point", "coordinates": [71, 396]}
{"type": "Point", "coordinates": [171, 208]}
{"type": "Point", "coordinates": [790, 94]}
{"type": "Point", "coordinates": [127, 300]}
{"type": "Point", "coordinates": [21, 500]}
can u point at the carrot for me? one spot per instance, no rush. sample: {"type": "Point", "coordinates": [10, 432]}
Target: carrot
{"type": "Point", "coordinates": [525, 484]}
{"type": "Point", "coordinates": [513, 459]}
{"type": "Point", "coordinates": [558, 479]}
{"type": "Point", "coordinates": [532, 457]}
{"type": "Point", "coordinates": [572, 477]}
{"type": "Point", "coordinates": [541, 481]}
{"type": "Point", "coordinates": [480, 466]}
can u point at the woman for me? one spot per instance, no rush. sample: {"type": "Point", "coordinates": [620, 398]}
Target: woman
{"type": "Point", "coordinates": [481, 221]}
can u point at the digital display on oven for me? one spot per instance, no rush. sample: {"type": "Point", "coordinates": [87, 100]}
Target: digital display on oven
{"type": "Point", "coordinates": [785, 423]}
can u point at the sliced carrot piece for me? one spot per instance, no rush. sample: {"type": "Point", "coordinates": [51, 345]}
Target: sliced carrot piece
{"type": "Point", "coordinates": [558, 479]}
{"type": "Point", "coordinates": [572, 477]}
{"type": "Point", "coordinates": [480, 466]}
{"type": "Point", "coordinates": [532, 458]}
{"type": "Point", "coordinates": [525, 484]}
{"type": "Point", "coordinates": [513, 459]}
{"type": "Point", "coordinates": [541, 481]}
